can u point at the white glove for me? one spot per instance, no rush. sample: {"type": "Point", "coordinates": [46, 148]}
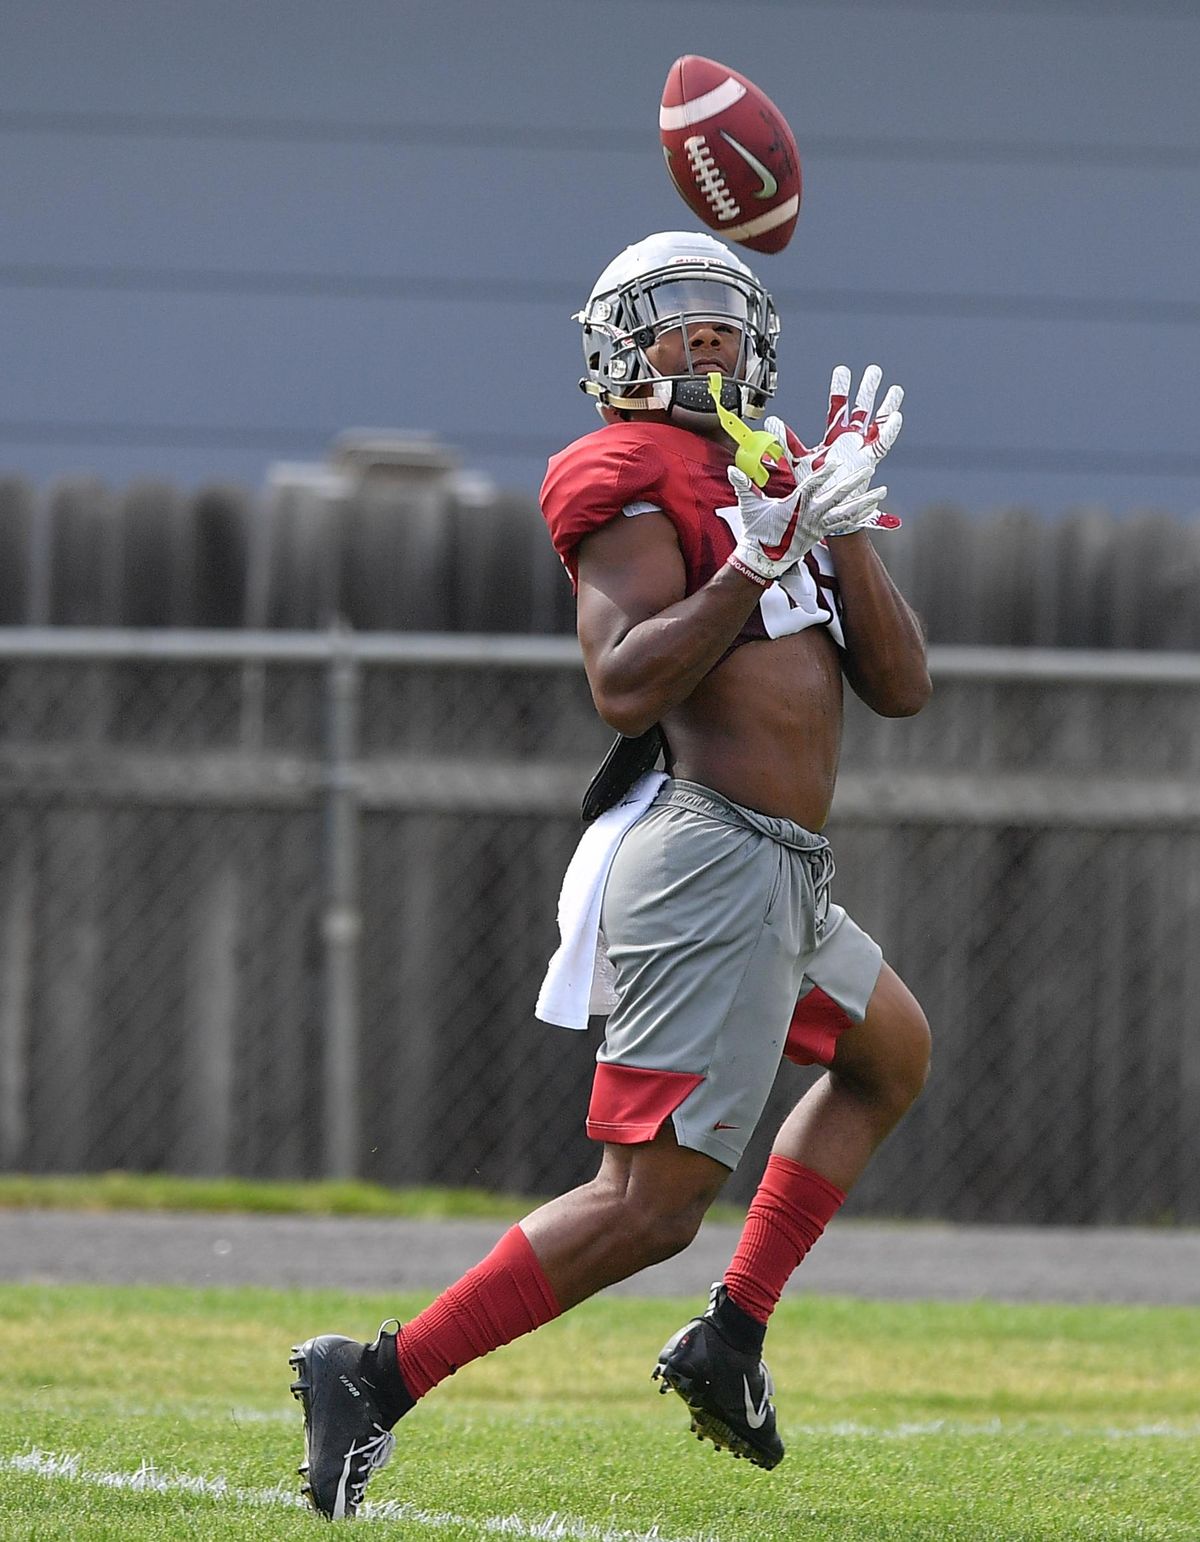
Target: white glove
{"type": "Point", "coordinates": [853, 438]}
{"type": "Point", "coordinates": [854, 444]}
{"type": "Point", "coordinates": [776, 532]}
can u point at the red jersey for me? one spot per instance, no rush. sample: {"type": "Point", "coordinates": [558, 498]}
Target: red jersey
{"type": "Point", "coordinates": [627, 469]}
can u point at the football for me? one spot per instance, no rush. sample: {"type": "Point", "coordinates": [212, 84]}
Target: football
{"type": "Point", "coordinates": [730, 153]}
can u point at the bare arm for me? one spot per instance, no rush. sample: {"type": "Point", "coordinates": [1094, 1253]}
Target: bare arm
{"type": "Point", "coordinates": [884, 659]}
{"type": "Point", "coordinates": [646, 644]}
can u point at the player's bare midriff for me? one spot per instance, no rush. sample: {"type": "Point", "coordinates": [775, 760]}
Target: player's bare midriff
{"type": "Point", "coordinates": [765, 727]}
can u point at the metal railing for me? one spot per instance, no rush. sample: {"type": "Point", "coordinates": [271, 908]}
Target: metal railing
{"type": "Point", "coordinates": [278, 904]}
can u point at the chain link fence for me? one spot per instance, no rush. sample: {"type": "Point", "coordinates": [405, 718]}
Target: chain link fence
{"type": "Point", "coordinates": [278, 904]}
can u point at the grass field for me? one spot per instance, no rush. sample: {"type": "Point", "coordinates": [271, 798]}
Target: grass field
{"type": "Point", "coordinates": [168, 1191]}
{"type": "Point", "coordinates": [247, 1196]}
{"type": "Point", "coordinates": [162, 1413]}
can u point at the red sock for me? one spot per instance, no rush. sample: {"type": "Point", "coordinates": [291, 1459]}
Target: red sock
{"type": "Point", "coordinates": [791, 1208]}
{"type": "Point", "coordinates": [498, 1300]}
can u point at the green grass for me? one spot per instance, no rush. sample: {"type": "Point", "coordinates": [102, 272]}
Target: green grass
{"type": "Point", "coordinates": [933, 1422]}
{"type": "Point", "coordinates": [166, 1191]}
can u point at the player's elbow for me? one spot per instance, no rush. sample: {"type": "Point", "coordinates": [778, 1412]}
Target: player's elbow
{"type": "Point", "coordinates": [910, 698]}
{"type": "Point", "coordinates": [896, 696]}
{"type": "Point", "coordinates": [630, 692]}
{"type": "Point", "coordinates": [630, 713]}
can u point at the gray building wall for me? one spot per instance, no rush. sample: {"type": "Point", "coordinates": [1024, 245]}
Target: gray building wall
{"type": "Point", "coordinates": [229, 231]}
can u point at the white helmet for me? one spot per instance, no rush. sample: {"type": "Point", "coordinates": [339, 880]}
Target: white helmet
{"type": "Point", "coordinates": [670, 280]}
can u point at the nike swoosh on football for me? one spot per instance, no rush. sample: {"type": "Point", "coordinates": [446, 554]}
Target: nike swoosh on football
{"type": "Point", "coordinates": [756, 1417]}
{"type": "Point", "coordinates": [769, 185]}
{"type": "Point", "coordinates": [777, 553]}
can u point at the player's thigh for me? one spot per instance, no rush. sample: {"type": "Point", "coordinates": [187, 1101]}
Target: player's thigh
{"type": "Point", "coordinates": [891, 1045]}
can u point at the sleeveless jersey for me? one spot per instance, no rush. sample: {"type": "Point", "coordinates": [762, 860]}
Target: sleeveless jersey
{"type": "Point", "coordinates": [627, 469]}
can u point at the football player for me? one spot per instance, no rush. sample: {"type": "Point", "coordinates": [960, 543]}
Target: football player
{"type": "Point", "coordinates": [726, 586]}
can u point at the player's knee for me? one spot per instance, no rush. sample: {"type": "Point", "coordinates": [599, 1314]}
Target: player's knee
{"type": "Point", "coordinates": [659, 1225]}
{"type": "Point", "coordinates": [909, 1067]}
{"type": "Point", "coordinates": [893, 1073]}
{"type": "Point", "coordinates": [667, 1230]}
{"type": "Point", "coordinates": [656, 1194]}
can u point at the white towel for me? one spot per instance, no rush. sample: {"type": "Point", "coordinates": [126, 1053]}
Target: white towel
{"type": "Point", "coordinates": [579, 977]}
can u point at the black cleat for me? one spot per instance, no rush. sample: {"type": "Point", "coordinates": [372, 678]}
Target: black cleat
{"type": "Point", "coordinates": [728, 1392]}
{"type": "Point", "coordinates": [345, 1438]}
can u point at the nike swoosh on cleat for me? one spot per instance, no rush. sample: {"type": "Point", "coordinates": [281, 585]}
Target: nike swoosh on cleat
{"type": "Point", "coordinates": [769, 185]}
{"type": "Point", "coordinates": [777, 553]}
{"type": "Point", "coordinates": [756, 1417]}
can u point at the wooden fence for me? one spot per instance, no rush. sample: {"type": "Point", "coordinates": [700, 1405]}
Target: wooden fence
{"type": "Point", "coordinates": [399, 546]}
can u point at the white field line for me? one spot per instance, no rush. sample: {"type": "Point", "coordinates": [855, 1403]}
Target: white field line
{"type": "Point", "coordinates": [836, 1429]}
{"type": "Point", "coordinates": [146, 1479]}
{"type": "Point", "coordinates": [957, 1429]}
{"type": "Point", "coordinates": [70, 1468]}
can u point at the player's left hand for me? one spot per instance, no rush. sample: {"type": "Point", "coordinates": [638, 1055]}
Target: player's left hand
{"type": "Point", "coordinates": [858, 437]}
{"type": "Point", "coordinates": [854, 442]}
{"type": "Point", "coordinates": [853, 431]}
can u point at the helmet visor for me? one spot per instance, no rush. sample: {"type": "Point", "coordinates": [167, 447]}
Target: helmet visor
{"type": "Point", "coordinates": [693, 299]}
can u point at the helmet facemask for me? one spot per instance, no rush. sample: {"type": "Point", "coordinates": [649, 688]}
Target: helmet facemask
{"type": "Point", "coordinates": [625, 315]}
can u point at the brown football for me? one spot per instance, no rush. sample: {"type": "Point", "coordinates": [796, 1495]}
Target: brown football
{"type": "Point", "coordinates": [730, 153]}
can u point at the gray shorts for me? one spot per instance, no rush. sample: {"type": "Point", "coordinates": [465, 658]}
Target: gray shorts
{"type": "Point", "coordinates": [717, 919]}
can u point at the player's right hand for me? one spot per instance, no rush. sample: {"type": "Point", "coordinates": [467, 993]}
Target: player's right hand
{"type": "Point", "coordinates": [777, 532]}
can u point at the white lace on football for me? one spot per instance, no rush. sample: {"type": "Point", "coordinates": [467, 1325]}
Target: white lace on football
{"type": "Point", "coordinates": [710, 179]}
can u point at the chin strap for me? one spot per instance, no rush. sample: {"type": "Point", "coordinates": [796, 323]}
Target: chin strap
{"type": "Point", "coordinates": [701, 405]}
{"type": "Point", "coordinates": [619, 403]}
{"type": "Point", "coordinates": [754, 445]}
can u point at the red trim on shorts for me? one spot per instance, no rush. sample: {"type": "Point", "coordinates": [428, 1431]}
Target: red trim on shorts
{"type": "Point", "coordinates": [631, 1104]}
{"type": "Point", "coordinates": [816, 1025]}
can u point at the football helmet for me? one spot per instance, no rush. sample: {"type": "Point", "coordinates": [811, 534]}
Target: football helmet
{"type": "Point", "coordinates": [674, 279]}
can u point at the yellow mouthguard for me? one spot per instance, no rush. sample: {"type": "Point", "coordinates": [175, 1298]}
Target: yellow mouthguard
{"type": "Point", "coordinates": [754, 445]}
